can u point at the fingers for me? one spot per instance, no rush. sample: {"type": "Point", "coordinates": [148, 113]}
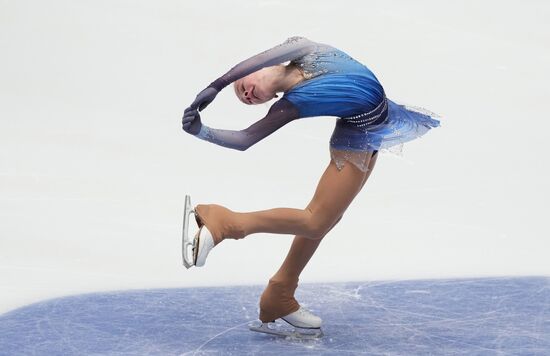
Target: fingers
{"type": "Point", "coordinates": [187, 120]}
{"type": "Point", "coordinates": [197, 102]}
{"type": "Point", "coordinates": [190, 112]}
{"type": "Point", "coordinates": [204, 104]}
{"type": "Point", "coordinates": [189, 116]}
{"type": "Point", "coordinates": [204, 98]}
{"type": "Point", "coordinates": [194, 105]}
{"type": "Point", "coordinates": [200, 104]}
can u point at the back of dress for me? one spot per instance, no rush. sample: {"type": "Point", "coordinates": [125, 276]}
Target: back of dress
{"type": "Point", "coordinates": [335, 84]}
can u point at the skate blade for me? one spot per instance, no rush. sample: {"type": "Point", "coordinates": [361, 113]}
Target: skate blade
{"type": "Point", "coordinates": [285, 330]}
{"type": "Point", "coordinates": [188, 243]}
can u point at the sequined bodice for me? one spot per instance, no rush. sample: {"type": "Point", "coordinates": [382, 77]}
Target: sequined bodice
{"type": "Point", "coordinates": [335, 84]}
{"type": "Point", "coordinates": [327, 60]}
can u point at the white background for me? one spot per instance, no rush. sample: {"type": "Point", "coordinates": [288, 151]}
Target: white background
{"type": "Point", "coordinates": [94, 165]}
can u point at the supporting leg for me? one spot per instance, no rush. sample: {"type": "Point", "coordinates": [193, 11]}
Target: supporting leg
{"type": "Point", "coordinates": [303, 248]}
{"type": "Point", "coordinates": [278, 298]}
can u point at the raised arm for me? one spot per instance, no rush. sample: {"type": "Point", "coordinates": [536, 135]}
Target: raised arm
{"type": "Point", "coordinates": [280, 113]}
{"type": "Point", "coordinates": [292, 48]}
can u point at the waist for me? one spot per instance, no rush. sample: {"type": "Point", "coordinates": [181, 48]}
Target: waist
{"type": "Point", "coordinates": [374, 117]}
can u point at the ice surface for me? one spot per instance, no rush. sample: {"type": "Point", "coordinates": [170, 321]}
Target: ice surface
{"type": "Point", "coordinates": [491, 316]}
{"type": "Point", "coordinates": [94, 165]}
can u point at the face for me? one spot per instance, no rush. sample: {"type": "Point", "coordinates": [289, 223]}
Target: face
{"type": "Point", "coordinates": [255, 88]}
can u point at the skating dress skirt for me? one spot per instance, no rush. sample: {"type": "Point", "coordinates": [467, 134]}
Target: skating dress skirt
{"type": "Point", "coordinates": [367, 121]}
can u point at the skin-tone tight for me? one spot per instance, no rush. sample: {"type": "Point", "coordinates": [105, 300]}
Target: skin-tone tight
{"type": "Point", "coordinates": [335, 191]}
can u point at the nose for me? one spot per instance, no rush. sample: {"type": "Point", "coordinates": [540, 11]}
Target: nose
{"type": "Point", "coordinates": [248, 91]}
{"type": "Point", "coordinates": [248, 94]}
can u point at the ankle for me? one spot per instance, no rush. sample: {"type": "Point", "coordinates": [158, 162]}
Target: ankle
{"type": "Point", "coordinates": [277, 300]}
{"type": "Point", "coordinates": [217, 239]}
{"type": "Point", "coordinates": [285, 278]}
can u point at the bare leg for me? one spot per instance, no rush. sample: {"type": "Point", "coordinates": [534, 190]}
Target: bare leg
{"type": "Point", "coordinates": [278, 298]}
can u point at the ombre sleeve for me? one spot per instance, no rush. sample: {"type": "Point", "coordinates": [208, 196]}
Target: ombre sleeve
{"type": "Point", "coordinates": [292, 48]}
{"type": "Point", "coordinates": [281, 113]}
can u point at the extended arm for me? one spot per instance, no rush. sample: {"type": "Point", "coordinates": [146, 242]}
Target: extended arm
{"type": "Point", "coordinates": [292, 48]}
{"type": "Point", "coordinates": [280, 113]}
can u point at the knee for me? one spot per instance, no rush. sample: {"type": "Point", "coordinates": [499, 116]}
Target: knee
{"type": "Point", "coordinates": [318, 227]}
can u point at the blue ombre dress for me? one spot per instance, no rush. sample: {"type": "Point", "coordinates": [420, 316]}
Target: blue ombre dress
{"type": "Point", "coordinates": [338, 85]}
{"type": "Point", "coordinates": [335, 84]}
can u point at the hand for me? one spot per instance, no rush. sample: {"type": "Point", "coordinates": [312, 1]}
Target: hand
{"type": "Point", "coordinates": [191, 121]}
{"type": "Point", "coordinates": [204, 98]}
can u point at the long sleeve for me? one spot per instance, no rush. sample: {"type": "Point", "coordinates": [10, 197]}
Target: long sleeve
{"type": "Point", "coordinates": [292, 48]}
{"type": "Point", "coordinates": [280, 113]}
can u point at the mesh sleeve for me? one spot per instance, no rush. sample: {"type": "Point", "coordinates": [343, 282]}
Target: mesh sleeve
{"type": "Point", "coordinates": [280, 113]}
{"type": "Point", "coordinates": [292, 48]}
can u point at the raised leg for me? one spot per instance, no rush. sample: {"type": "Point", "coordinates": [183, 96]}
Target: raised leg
{"type": "Point", "coordinates": [335, 191]}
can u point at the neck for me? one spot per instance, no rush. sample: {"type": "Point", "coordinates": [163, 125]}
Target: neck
{"type": "Point", "coordinates": [286, 77]}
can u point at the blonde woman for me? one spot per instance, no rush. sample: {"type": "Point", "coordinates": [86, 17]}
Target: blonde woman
{"type": "Point", "coordinates": [315, 80]}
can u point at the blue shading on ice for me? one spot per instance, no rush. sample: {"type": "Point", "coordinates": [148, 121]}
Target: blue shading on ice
{"type": "Point", "coordinates": [486, 316]}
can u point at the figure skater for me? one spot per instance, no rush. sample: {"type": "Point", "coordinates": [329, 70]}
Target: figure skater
{"type": "Point", "coordinates": [318, 80]}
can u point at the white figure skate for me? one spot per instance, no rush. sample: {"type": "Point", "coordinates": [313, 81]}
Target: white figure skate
{"type": "Point", "coordinates": [302, 324]}
{"type": "Point", "coordinates": [195, 250]}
